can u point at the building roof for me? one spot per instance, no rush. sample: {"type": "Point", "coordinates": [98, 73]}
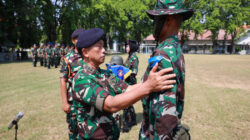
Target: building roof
{"type": "Point", "coordinates": [207, 34]}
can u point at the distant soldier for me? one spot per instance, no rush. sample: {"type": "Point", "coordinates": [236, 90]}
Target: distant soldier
{"type": "Point", "coordinates": [62, 51]}
{"type": "Point", "coordinates": [56, 55]}
{"type": "Point", "coordinates": [44, 55]}
{"type": "Point", "coordinates": [116, 66]}
{"type": "Point", "coordinates": [162, 110]}
{"type": "Point", "coordinates": [67, 49]}
{"type": "Point", "coordinates": [132, 62]}
{"type": "Point", "coordinates": [70, 66]}
{"type": "Point", "coordinates": [40, 54]}
{"type": "Point", "coordinates": [34, 55]}
{"type": "Point", "coordinates": [52, 56]}
{"type": "Point", "coordinates": [99, 93]}
{"type": "Point", "coordinates": [49, 54]}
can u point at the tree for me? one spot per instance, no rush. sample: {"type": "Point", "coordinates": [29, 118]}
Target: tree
{"type": "Point", "coordinates": [233, 18]}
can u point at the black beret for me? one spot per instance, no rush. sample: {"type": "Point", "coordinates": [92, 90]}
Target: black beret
{"type": "Point", "coordinates": [89, 37]}
{"type": "Point", "coordinates": [76, 33]}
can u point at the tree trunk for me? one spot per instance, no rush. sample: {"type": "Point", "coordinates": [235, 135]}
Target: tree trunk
{"type": "Point", "coordinates": [232, 43]}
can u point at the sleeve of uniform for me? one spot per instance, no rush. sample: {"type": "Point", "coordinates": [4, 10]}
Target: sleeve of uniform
{"type": "Point", "coordinates": [90, 92]}
{"type": "Point", "coordinates": [167, 63]}
{"type": "Point", "coordinates": [64, 70]}
{"type": "Point", "coordinates": [118, 85]}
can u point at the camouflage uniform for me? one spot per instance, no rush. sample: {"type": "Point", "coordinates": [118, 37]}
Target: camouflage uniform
{"type": "Point", "coordinates": [132, 63]}
{"type": "Point", "coordinates": [52, 62]}
{"type": "Point", "coordinates": [44, 56]}
{"type": "Point", "coordinates": [56, 56]}
{"type": "Point", "coordinates": [35, 57]}
{"type": "Point", "coordinates": [49, 56]}
{"type": "Point", "coordinates": [91, 87]}
{"type": "Point", "coordinates": [129, 116]}
{"type": "Point", "coordinates": [40, 51]}
{"type": "Point", "coordinates": [71, 63]}
{"type": "Point", "coordinates": [162, 110]}
{"type": "Point", "coordinates": [62, 52]}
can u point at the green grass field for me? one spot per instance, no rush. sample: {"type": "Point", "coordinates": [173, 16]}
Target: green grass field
{"type": "Point", "coordinates": [217, 105]}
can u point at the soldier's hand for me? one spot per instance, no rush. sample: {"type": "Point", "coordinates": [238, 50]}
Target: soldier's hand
{"type": "Point", "coordinates": [159, 81]}
{"type": "Point", "coordinates": [66, 107]}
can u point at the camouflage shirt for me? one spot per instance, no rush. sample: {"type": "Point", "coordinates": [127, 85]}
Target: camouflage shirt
{"type": "Point", "coordinates": [132, 63]}
{"type": "Point", "coordinates": [48, 51]}
{"type": "Point", "coordinates": [91, 87]}
{"type": "Point", "coordinates": [71, 63]}
{"type": "Point", "coordinates": [34, 51]}
{"type": "Point", "coordinates": [56, 52]}
{"type": "Point", "coordinates": [162, 110]}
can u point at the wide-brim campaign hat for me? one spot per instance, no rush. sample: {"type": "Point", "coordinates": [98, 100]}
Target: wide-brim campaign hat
{"type": "Point", "coordinates": [170, 7]}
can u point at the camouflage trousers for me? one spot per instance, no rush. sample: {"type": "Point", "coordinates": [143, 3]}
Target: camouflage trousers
{"type": "Point", "coordinates": [34, 61]}
{"type": "Point", "coordinates": [72, 123]}
{"type": "Point", "coordinates": [45, 62]}
{"type": "Point", "coordinates": [129, 117]}
{"type": "Point", "coordinates": [56, 61]}
{"type": "Point", "coordinates": [49, 62]}
{"type": "Point", "coordinates": [159, 117]}
{"type": "Point", "coordinates": [41, 61]}
{"type": "Point", "coordinates": [118, 118]}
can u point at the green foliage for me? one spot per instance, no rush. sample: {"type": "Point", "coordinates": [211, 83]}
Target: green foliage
{"type": "Point", "coordinates": [26, 22]}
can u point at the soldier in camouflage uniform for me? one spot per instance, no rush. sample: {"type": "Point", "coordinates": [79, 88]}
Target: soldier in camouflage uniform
{"type": "Point", "coordinates": [52, 62]}
{"type": "Point", "coordinates": [40, 54]}
{"type": "Point", "coordinates": [97, 92]}
{"type": "Point", "coordinates": [56, 55]}
{"type": "Point", "coordinates": [70, 65]}
{"type": "Point", "coordinates": [117, 67]}
{"type": "Point", "coordinates": [44, 55]}
{"type": "Point", "coordinates": [49, 54]}
{"type": "Point", "coordinates": [34, 55]}
{"type": "Point", "coordinates": [67, 49]}
{"type": "Point", "coordinates": [132, 62]}
{"type": "Point", "coordinates": [62, 51]}
{"type": "Point", "coordinates": [162, 110]}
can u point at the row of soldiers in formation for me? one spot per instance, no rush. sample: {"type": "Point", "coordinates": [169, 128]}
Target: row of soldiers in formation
{"type": "Point", "coordinates": [93, 95]}
{"type": "Point", "coordinates": [49, 54]}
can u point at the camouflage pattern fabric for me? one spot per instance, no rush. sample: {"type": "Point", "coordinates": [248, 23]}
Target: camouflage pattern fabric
{"type": "Point", "coordinates": [49, 56]}
{"type": "Point", "coordinates": [62, 52]}
{"type": "Point", "coordinates": [91, 87]}
{"type": "Point", "coordinates": [132, 63]}
{"type": "Point", "coordinates": [170, 7]}
{"type": "Point", "coordinates": [44, 57]}
{"type": "Point", "coordinates": [40, 52]}
{"type": "Point", "coordinates": [52, 56]}
{"type": "Point", "coordinates": [56, 57]}
{"type": "Point", "coordinates": [162, 110]}
{"type": "Point", "coordinates": [35, 57]}
{"type": "Point", "coordinates": [129, 116]}
{"type": "Point", "coordinates": [70, 65]}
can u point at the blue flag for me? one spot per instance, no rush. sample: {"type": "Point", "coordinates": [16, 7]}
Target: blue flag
{"type": "Point", "coordinates": [120, 71]}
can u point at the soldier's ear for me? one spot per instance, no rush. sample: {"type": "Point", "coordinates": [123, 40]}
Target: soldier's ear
{"type": "Point", "coordinates": [85, 53]}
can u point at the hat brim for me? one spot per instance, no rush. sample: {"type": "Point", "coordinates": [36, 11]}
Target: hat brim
{"type": "Point", "coordinates": [187, 13]}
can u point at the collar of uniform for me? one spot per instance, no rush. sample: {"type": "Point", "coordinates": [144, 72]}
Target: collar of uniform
{"type": "Point", "coordinates": [131, 54]}
{"type": "Point", "coordinates": [171, 39]}
{"type": "Point", "coordinates": [89, 69]}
